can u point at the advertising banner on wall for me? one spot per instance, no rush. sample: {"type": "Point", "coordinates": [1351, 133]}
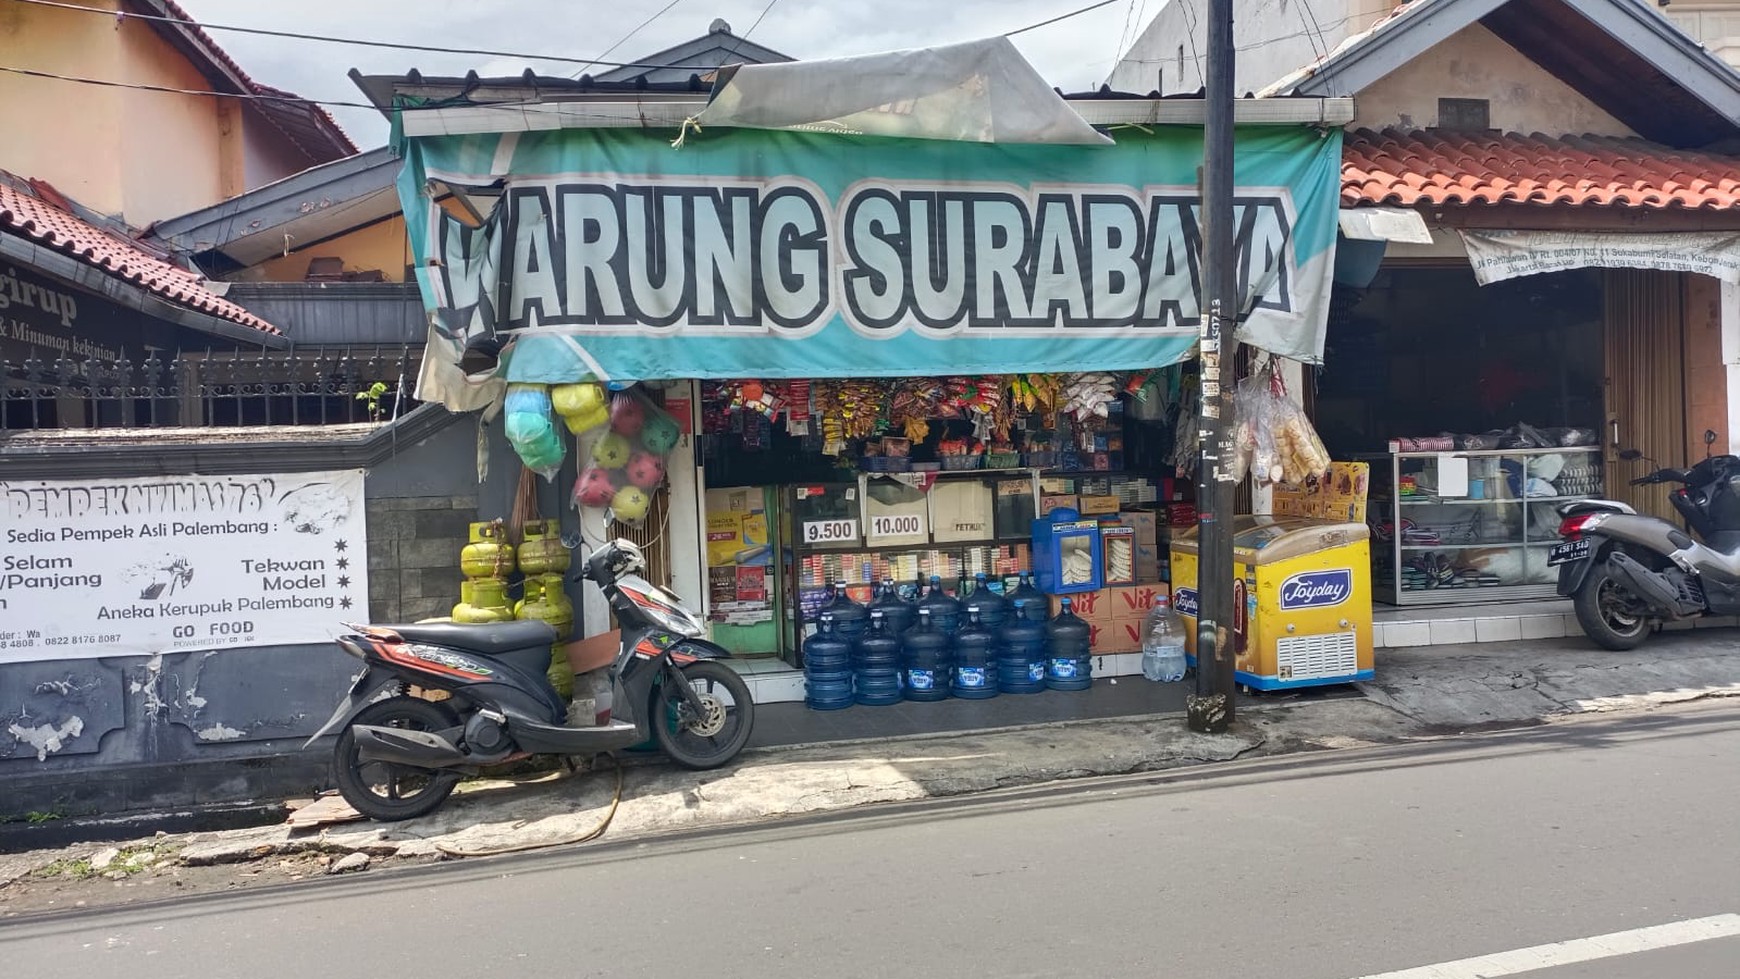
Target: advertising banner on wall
{"type": "Point", "coordinates": [749, 253]}
{"type": "Point", "coordinates": [1500, 255]}
{"type": "Point", "coordinates": [119, 567]}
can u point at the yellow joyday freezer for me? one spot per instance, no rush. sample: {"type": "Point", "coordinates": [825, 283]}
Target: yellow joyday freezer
{"type": "Point", "coordinates": [1303, 597]}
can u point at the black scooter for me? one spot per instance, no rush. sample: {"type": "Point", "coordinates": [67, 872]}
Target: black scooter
{"type": "Point", "coordinates": [1626, 573]}
{"type": "Point", "coordinates": [400, 756]}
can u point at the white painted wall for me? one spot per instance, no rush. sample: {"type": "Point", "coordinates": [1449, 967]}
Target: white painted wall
{"type": "Point", "coordinates": [1475, 64]}
{"type": "Point", "coordinates": [1716, 25]}
{"type": "Point", "coordinates": [1274, 38]}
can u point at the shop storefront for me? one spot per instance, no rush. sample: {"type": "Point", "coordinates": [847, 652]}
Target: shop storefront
{"type": "Point", "coordinates": [1495, 361]}
{"type": "Point", "coordinates": [882, 373]}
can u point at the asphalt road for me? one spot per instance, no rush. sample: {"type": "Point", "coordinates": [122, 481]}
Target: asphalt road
{"type": "Point", "coordinates": [1332, 866]}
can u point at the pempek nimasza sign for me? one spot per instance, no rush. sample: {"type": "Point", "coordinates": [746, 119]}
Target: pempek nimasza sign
{"type": "Point", "coordinates": [762, 254]}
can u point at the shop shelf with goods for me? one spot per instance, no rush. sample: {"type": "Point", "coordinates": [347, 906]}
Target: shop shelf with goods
{"type": "Point", "coordinates": [1473, 526]}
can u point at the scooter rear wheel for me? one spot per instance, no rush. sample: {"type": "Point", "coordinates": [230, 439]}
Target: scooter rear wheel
{"type": "Point", "coordinates": [386, 791]}
{"type": "Point", "coordinates": [1602, 612]}
{"type": "Point", "coordinates": [717, 735]}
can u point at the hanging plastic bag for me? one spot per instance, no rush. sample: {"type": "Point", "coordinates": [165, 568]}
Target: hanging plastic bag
{"type": "Point", "coordinates": [530, 429]}
{"type": "Point", "coordinates": [583, 406]}
{"type": "Point", "coordinates": [1273, 440]}
{"type": "Point", "coordinates": [628, 462]}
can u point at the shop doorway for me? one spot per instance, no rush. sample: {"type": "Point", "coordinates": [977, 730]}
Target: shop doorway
{"type": "Point", "coordinates": [1645, 387]}
{"type": "Point", "coordinates": [1426, 351]}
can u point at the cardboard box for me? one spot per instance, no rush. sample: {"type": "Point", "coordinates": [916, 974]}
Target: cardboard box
{"type": "Point", "coordinates": [1145, 524]}
{"type": "Point", "coordinates": [1058, 502]}
{"type": "Point", "coordinates": [1092, 607]}
{"type": "Point", "coordinates": [1093, 506]}
{"type": "Point", "coordinates": [1120, 637]}
{"type": "Point", "coordinates": [1133, 602]}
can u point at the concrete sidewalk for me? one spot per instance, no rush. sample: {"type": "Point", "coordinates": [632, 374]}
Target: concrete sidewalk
{"type": "Point", "coordinates": [1418, 693]}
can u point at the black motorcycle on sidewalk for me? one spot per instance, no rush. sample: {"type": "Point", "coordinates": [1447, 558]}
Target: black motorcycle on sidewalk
{"type": "Point", "coordinates": [400, 756]}
{"type": "Point", "coordinates": [1626, 573]}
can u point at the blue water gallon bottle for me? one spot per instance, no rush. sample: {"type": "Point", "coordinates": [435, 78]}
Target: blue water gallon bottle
{"type": "Point", "coordinates": [876, 665]}
{"type": "Point", "coordinates": [827, 668]}
{"type": "Point", "coordinates": [993, 608]}
{"type": "Point", "coordinates": [945, 611]}
{"type": "Point", "coordinates": [1021, 660]}
{"type": "Point", "coordinates": [850, 618]}
{"type": "Point", "coordinates": [1037, 606]}
{"type": "Point", "coordinates": [975, 675]}
{"type": "Point", "coordinates": [897, 613]}
{"type": "Point", "coordinates": [926, 660]}
{"type": "Point", "coordinates": [1069, 661]}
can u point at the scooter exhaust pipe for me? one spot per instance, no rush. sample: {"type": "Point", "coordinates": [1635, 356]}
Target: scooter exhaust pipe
{"type": "Point", "coordinates": [416, 748]}
{"type": "Point", "coordinates": [1653, 587]}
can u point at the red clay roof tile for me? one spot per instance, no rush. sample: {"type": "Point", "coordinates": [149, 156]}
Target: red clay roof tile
{"type": "Point", "coordinates": [60, 230]}
{"type": "Point", "coordinates": [1429, 167]}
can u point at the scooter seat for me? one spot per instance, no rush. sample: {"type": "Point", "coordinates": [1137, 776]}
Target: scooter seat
{"type": "Point", "coordinates": [489, 638]}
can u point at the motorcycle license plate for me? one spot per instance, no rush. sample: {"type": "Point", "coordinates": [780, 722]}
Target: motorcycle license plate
{"type": "Point", "coordinates": [1569, 551]}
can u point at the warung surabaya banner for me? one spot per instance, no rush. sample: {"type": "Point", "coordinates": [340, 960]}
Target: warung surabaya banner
{"type": "Point", "coordinates": [116, 567]}
{"type": "Point", "coordinates": [760, 254]}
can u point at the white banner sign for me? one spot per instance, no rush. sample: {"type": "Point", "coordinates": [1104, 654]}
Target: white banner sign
{"type": "Point", "coordinates": [119, 567]}
{"type": "Point", "coordinates": [1500, 255]}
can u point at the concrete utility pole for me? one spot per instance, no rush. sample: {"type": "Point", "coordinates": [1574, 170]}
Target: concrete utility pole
{"type": "Point", "coordinates": [1211, 709]}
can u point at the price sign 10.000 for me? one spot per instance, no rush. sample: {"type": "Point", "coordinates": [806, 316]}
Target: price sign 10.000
{"type": "Point", "coordinates": [896, 525]}
{"type": "Point", "coordinates": [830, 531]}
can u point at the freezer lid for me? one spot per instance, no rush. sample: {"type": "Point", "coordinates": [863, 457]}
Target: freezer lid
{"type": "Point", "coordinates": [1260, 540]}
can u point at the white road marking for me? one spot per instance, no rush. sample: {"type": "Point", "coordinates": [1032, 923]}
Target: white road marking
{"type": "Point", "coordinates": [1577, 950]}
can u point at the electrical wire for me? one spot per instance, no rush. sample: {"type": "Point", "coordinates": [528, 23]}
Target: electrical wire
{"type": "Point", "coordinates": [1073, 13]}
{"type": "Point", "coordinates": [357, 41]}
{"type": "Point", "coordinates": [752, 27]}
{"type": "Point", "coordinates": [144, 87]}
{"type": "Point", "coordinates": [627, 37]}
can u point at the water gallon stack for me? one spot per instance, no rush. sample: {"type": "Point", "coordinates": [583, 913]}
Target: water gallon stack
{"type": "Point", "coordinates": [876, 665]}
{"type": "Point", "coordinates": [486, 563]}
{"type": "Point", "coordinates": [975, 665]}
{"type": "Point", "coordinates": [544, 561]}
{"type": "Point", "coordinates": [1069, 662]}
{"type": "Point", "coordinates": [827, 668]}
{"type": "Point", "coordinates": [926, 659]}
{"type": "Point", "coordinates": [1021, 656]}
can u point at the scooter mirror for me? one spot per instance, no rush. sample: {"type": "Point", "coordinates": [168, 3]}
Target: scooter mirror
{"type": "Point", "coordinates": [1709, 436]}
{"type": "Point", "coordinates": [1631, 455]}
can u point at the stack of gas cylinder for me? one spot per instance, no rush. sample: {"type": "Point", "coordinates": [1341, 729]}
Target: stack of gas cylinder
{"type": "Point", "coordinates": [487, 562]}
{"type": "Point", "coordinates": [973, 647]}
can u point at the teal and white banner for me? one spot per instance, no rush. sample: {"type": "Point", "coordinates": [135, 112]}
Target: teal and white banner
{"type": "Point", "coordinates": [751, 253]}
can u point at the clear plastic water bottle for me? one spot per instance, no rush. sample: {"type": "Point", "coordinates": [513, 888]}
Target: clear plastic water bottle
{"type": "Point", "coordinates": [1163, 644]}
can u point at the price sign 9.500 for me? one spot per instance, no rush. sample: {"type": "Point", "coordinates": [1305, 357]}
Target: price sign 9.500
{"type": "Point", "coordinates": [830, 531]}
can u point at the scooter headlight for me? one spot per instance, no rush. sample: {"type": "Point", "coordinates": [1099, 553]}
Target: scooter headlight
{"type": "Point", "coordinates": [680, 621]}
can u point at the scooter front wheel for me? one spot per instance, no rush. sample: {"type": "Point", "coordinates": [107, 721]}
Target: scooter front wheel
{"type": "Point", "coordinates": [714, 735]}
{"type": "Point", "coordinates": [387, 791]}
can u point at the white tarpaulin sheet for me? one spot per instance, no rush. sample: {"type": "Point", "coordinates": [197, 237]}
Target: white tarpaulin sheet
{"type": "Point", "coordinates": [114, 567]}
{"type": "Point", "coordinates": [978, 91]}
{"type": "Point", "coordinates": [1500, 255]}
